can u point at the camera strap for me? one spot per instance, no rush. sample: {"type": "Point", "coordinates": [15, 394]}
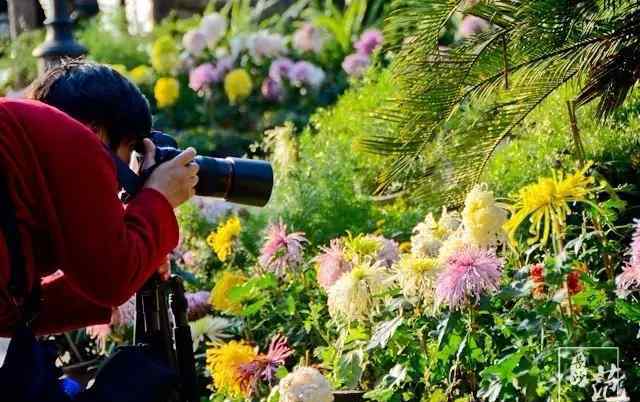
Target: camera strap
{"type": "Point", "coordinates": [130, 182]}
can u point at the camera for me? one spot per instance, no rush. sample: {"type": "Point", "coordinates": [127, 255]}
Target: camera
{"type": "Point", "coordinates": [242, 181]}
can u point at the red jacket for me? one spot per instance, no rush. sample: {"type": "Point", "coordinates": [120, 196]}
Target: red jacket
{"type": "Point", "coordinates": [64, 187]}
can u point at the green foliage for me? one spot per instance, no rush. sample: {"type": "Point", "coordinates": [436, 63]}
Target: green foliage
{"type": "Point", "coordinates": [531, 50]}
{"type": "Point", "coordinates": [109, 42]}
{"type": "Point", "coordinates": [329, 191]}
{"type": "Point", "coordinates": [18, 67]}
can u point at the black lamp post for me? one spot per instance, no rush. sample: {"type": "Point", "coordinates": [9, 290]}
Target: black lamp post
{"type": "Point", "coordinates": [59, 42]}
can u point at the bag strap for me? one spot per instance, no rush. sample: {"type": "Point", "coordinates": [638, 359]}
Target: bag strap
{"type": "Point", "coordinates": [28, 304]}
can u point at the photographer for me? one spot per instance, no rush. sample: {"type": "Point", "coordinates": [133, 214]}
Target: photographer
{"type": "Point", "coordinates": [60, 177]}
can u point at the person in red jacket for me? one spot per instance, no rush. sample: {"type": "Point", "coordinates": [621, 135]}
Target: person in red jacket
{"type": "Point", "coordinates": [63, 185]}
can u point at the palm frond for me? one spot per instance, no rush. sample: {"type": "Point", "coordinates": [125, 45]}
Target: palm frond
{"type": "Point", "coordinates": [533, 48]}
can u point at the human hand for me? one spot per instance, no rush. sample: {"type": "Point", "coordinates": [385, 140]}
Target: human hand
{"type": "Point", "coordinates": [175, 179]}
{"type": "Point", "coordinates": [164, 271]}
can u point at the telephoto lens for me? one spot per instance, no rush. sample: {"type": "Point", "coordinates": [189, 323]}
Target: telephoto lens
{"type": "Point", "coordinates": [242, 181]}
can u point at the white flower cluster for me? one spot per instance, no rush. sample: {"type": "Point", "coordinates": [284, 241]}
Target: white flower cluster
{"type": "Point", "coordinates": [416, 277]}
{"type": "Point", "coordinates": [305, 384]}
{"type": "Point", "coordinates": [429, 235]}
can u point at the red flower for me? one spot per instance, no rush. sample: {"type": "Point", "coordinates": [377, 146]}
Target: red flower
{"type": "Point", "coordinates": [537, 273]}
{"type": "Point", "coordinates": [574, 284]}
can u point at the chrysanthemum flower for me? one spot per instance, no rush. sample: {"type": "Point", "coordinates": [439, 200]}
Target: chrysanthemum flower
{"type": "Point", "coordinates": [220, 293]}
{"type": "Point", "coordinates": [164, 55]}
{"type": "Point", "coordinates": [629, 279]}
{"type": "Point", "coordinates": [574, 282]}
{"type": "Point", "coordinates": [483, 218]}
{"type": "Point", "coordinates": [369, 41]}
{"type": "Point", "coordinates": [309, 38]}
{"type": "Point", "coordinates": [224, 363]}
{"type": "Point", "coordinates": [282, 251]}
{"type": "Point", "coordinates": [264, 366]}
{"type": "Point", "coordinates": [237, 85]}
{"type": "Point", "coordinates": [141, 75]}
{"type": "Point", "coordinates": [536, 272]}
{"type": "Point", "coordinates": [352, 296]}
{"type": "Point", "coordinates": [417, 277]}
{"type": "Point", "coordinates": [194, 42]}
{"type": "Point", "coordinates": [468, 274]}
{"type": "Point", "coordinates": [371, 248]}
{"type": "Point", "coordinates": [305, 384]}
{"type": "Point", "coordinates": [546, 204]}
{"type": "Point", "coordinates": [213, 328]}
{"type": "Point", "coordinates": [166, 92]}
{"type": "Point", "coordinates": [429, 235]}
{"type": "Point", "coordinates": [331, 264]}
{"type": "Point", "coordinates": [198, 304]}
{"type": "Point", "coordinates": [222, 240]}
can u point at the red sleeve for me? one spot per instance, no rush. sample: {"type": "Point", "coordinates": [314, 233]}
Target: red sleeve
{"type": "Point", "coordinates": [107, 253]}
{"type": "Point", "coordinates": [64, 309]}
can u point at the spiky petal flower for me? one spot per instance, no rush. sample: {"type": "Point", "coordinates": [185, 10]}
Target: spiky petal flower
{"type": "Point", "coordinates": [469, 273]}
{"type": "Point", "coordinates": [369, 41]}
{"type": "Point", "coordinates": [282, 251]}
{"type": "Point", "coordinates": [545, 204]}
{"type": "Point", "coordinates": [389, 252]}
{"type": "Point", "coordinates": [224, 363]}
{"type": "Point", "coordinates": [352, 296]}
{"type": "Point", "coordinates": [417, 277]}
{"type": "Point", "coordinates": [331, 264]}
{"type": "Point", "coordinates": [213, 328]}
{"type": "Point", "coordinates": [483, 218]}
{"type": "Point", "coordinates": [264, 366]}
{"type": "Point", "coordinates": [629, 279]}
{"type": "Point", "coordinates": [305, 384]}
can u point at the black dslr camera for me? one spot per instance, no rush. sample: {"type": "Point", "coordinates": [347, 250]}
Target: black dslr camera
{"type": "Point", "coordinates": [242, 181]}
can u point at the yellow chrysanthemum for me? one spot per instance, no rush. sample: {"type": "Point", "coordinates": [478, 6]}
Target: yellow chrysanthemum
{"type": "Point", "coordinates": [141, 75]}
{"type": "Point", "coordinates": [237, 85]}
{"type": "Point", "coordinates": [222, 240]}
{"type": "Point", "coordinates": [546, 204]}
{"type": "Point", "coordinates": [417, 277]}
{"type": "Point", "coordinates": [224, 362]}
{"type": "Point", "coordinates": [164, 55]}
{"type": "Point", "coordinates": [220, 293]}
{"type": "Point", "coordinates": [166, 91]}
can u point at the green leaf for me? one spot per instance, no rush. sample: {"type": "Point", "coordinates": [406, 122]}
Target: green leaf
{"type": "Point", "coordinates": [629, 311]}
{"type": "Point", "coordinates": [349, 369]}
{"type": "Point", "coordinates": [383, 332]}
{"type": "Point", "coordinates": [254, 308]}
{"type": "Point", "coordinates": [291, 305]}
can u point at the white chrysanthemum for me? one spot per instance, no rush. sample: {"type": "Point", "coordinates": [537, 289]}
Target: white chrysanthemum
{"type": "Point", "coordinates": [417, 277]}
{"type": "Point", "coordinates": [305, 384]}
{"type": "Point", "coordinates": [482, 218]}
{"type": "Point", "coordinates": [213, 27]}
{"type": "Point", "coordinates": [456, 241]}
{"type": "Point", "coordinates": [351, 296]}
{"type": "Point", "coordinates": [194, 42]}
{"type": "Point", "coordinates": [429, 235]}
{"type": "Point", "coordinates": [214, 328]}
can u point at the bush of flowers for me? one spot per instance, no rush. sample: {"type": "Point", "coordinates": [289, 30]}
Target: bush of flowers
{"type": "Point", "coordinates": [473, 306]}
{"type": "Point", "coordinates": [236, 78]}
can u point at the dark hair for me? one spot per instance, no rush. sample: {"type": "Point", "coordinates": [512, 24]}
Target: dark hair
{"type": "Point", "coordinates": [96, 95]}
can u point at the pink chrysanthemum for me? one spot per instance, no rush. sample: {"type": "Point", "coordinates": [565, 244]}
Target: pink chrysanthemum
{"type": "Point", "coordinates": [264, 366]}
{"type": "Point", "coordinates": [629, 279]}
{"type": "Point", "coordinates": [198, 305]}
{"type": "Point", "coordinates": [282, 250]}
{"type": "Point", "coordinates": [389, 252]}
{"type": "Point", "coordinates": [469, 273]}
{"type": "Point", "coordinates": [332, 264]}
